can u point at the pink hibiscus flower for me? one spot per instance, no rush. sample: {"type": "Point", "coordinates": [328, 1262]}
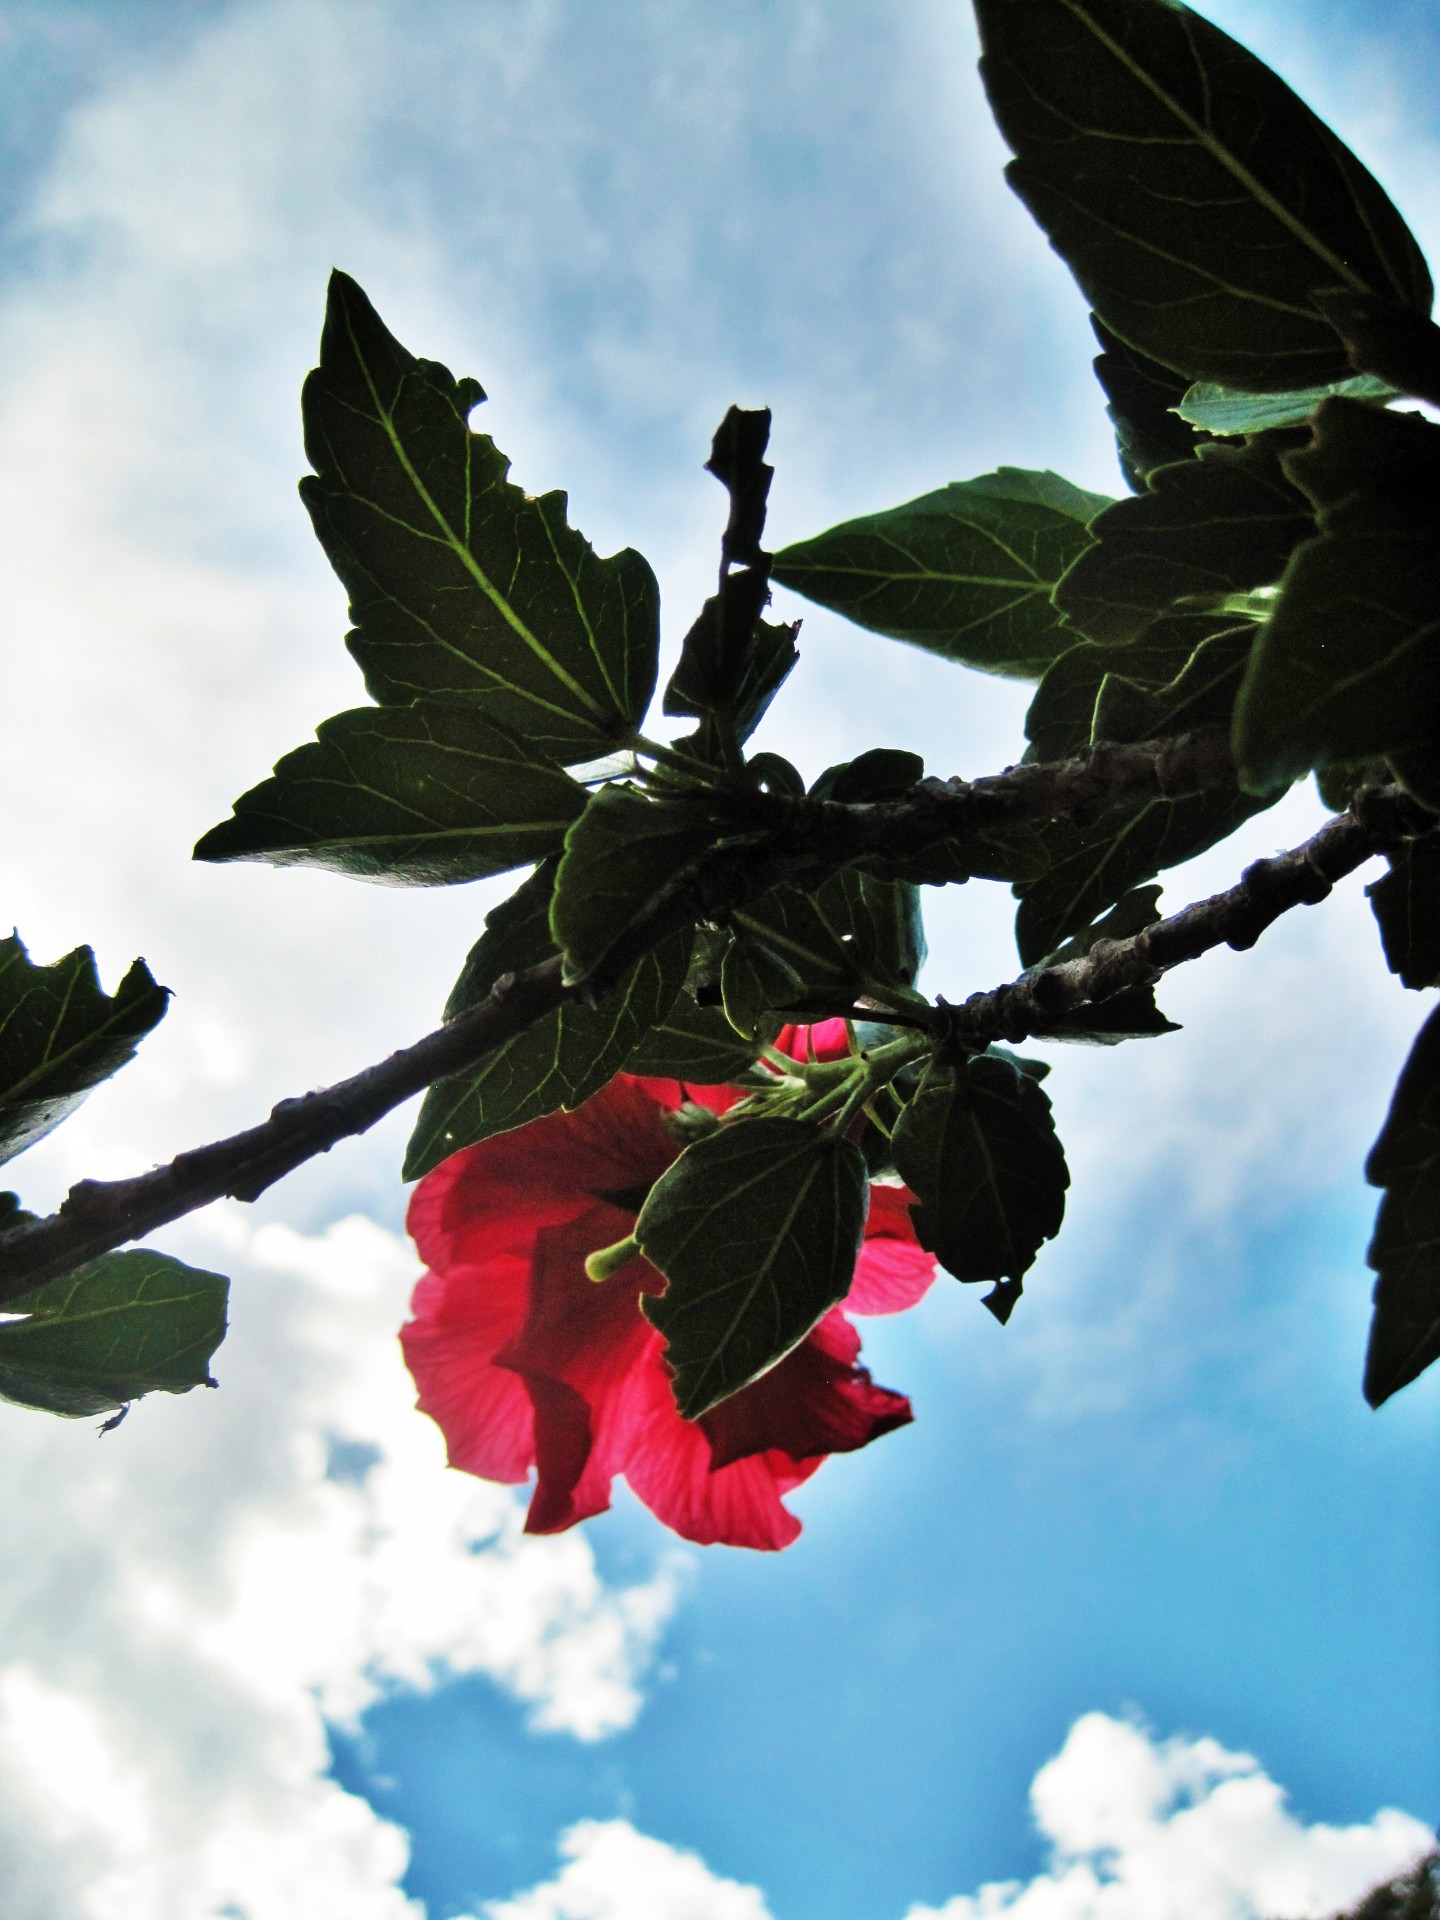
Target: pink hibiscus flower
{"type": "Point", "coordinates": [525, 1363]}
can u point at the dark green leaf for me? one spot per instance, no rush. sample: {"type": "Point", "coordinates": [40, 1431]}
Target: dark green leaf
{"type": "Point", "coordinates": [756, 1229]}
{"type": "Point", "coordinates": [422, 796]}
{"type": "Point", "coordinates": [1210, 526]}
{"type": "Point", "coordinates": [1222, 410]}
{"type": "Point", "coordinates": [1197, 201]}
{"type": "Point", "coordinates": [60, 1036]}
{"type": "Point", "coordinates": [1405, 1250]}
{"type": "Point", "coordinates": [694, 1044]}
{"type": "Point", "coordinates": [558, 1062]}
{"type": "Point", "coordinates": [12, 1214]}
{"type": "Point", "coordinates": [797, 953]}
{"type": "Point", "coordinates": [1418, 772]}
{"type": "Point", "coordinates": [460, 583]}
{"type": "Point", "coordinates": [1061, 720]}
{"type": "Point", "coordinates": [121, 1326]}
{"type": "Point", "coordinates": [622, 855]}
{"type": "Point", "coordinates": [1143, 397]}
{"type": "Point", "coordinates": [966, 571]}
{"type": "Point", "coordinates": [1348, 664]}
{"type": "Point", "coordinates": [884, 773]}
{"type": "Point", "coordinates": [732, 700]}
{"type": "Point", "coordinates": [1131, 1015]}
{"type": "Point", "coordinates": [775, 774]}
{"type": "Point", "coordinates": [1391, 344]}
{"type": "Point", "coordinates": [1407, 905]}
{"type": "Point", "coordinates": [977, 1146]}
{"type": "Point", "coordinates": [1338, 785]}
{"type": "Point", "coordinates": [1092, 866]}
{"type": "Point", "coordinates": [731, 661]}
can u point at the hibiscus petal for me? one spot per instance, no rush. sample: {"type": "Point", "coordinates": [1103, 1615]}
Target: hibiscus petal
{"type": "Point", "coordinates": [498, 1195]}
{"type": "Point", "coordinates": [670, 1468]}
{"type": "Point", "coordinates": [483, 1411]}
{"type": "Point", "coordinates": [826, 1040]}
{"type": "Point", "coordinates": [580, 1344]}
{"type": "Point", "coordinates": [893, 1270]}
{"type": "Point", "coordinates": [816, 1401]}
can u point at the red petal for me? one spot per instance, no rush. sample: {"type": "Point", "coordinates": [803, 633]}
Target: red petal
{"type": "Point", "coordinates": [817, 1401]}
{"type": "Point", "coordinates": [893, 1270]}
{"type": "Point", "coordinates": [496, 1196]}
{"type": "Point", "coordinates": [826, 1040]}
{"type": "Point", "coordinates": [670, 1469]}
{"type": "Point", "coordinates": [461, 1319]}
{"type": "Point", "coordinates": [576, 1353]}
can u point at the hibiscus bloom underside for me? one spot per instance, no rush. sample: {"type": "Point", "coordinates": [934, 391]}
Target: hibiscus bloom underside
{"type": "Point", "coordinates": [524, 1362]}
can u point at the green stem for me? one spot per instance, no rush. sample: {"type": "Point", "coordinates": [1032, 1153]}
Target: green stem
{"type": "Point", "coordinates": [607, 1261]}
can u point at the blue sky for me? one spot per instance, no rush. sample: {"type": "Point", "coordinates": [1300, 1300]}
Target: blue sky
{"type": "Point", "coordinates": [1156, 1497]}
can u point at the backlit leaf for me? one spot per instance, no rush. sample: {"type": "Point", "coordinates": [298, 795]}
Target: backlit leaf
{"type": "Point", "coordinates": [559, 1061]}
{"type": "Point", "coordinates": [1222, 410]}
{"type": "Point", "coordinates": [1348, 665]}
{"type": "Point", "coordinates": [978, 1148]}
{"type": "Point", "coordinates": [1218, 524]}
{"type": "Point", "coordinates": [1143, 397]}
{"type": "Point", "coordinates": [1092, 866]}
{"type": "Point", "coordinates": [1407, 905]}
{"type": "Point", "coordinates": [427, 795]}
{"type": "Point", "coordinates": [1061, 720]}
{"type": "Point", "coordinates": [1197, 201]}
{"type": "Point", "coordinates": [121, 1326]}
{"type": "Point", "coordinates": [622, 854]}
{"type": "Point", "coordinates": [756, 1228]}
{"type": "Point", "coordinates": [695, 1044]}
{"type": "Point", "coordinates": [799, 953]}
{"type": "Point", "coordinates": [1131, 1015]}
{"type": "Point", "coordinates": [966, 572]}
{"type": "Point", "coordinates": [1405, 1249]}
{"type": "Point", "coordinates": [460, 583]}
{"type": "Point", "coordinates": [60, 1035]}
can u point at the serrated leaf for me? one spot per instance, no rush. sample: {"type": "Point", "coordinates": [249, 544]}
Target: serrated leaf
{"type": "Point", "coordinates": [1092, 866]}
{"type": "Point", "coordinates": [694, 1044]}
{"type": "Point", "coordinates": [1143, 397]}
{"type": "Point", "coordinates": [623, 854]}
{"type": "Point", "coordinates": [460, 583]}
{"type": "Point", "coordinates": [1131, 1015]}
{"type": "Point", "coordinates": [1406, 903]}
{"type": "Point", "coordinates": [559, 1061]}
{"type": "Point", "coordinates": [1222, 410]}
{"type": "Point", "coordinates": [423, 796]}
{"type": "Point", "coordinates": [1405, 1249]}
{"type": "Point", "coordinates": [1218, 524]}
{"type": "Point", "coordinates": [1061, 719]}
{"type": "Point", "coordinates": [732, 663]}
{"type": "Point", "coordinates": [966, 571]}
{"type": "Point", "coordinates": [756, 1229]}
{"type": "Point", "coordinates": [978, 1148]}
{"type": "Point", "coordinates": [1348, 664]}
{"type": "Point", "coordinates": [60, 1036]}
{"type": "Point", "coordinates": [1199, 203]}
{"type": "Point", "coordinates": [798, 953]}
{"type": "Point", "coordinates": [121, 1326]}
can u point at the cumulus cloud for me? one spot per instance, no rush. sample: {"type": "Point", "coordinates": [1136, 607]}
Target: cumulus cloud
{"type": "Point", "coordinates": [1145, 1829]}
{"type": "Point", "coordinates": [611, 1872]}
{"type": "Point", "coordinates": [189, 1601]}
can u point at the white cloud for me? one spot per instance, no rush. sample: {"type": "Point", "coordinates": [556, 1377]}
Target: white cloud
{"type": "Point", "coordinates": [1136, 1828]}
{"type": "Point", "coordinates": [1146, 1829]}
{"type": "Point", "coordinates": [611, 1872]}
{"type": "Point", "coordinates": [188, 1601]}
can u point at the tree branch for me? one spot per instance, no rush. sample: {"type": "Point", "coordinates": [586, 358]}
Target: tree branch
{"type": "Point", "coordinates": [806, 840]}
{"type": "Point", "coordinates": [1379, 819]}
